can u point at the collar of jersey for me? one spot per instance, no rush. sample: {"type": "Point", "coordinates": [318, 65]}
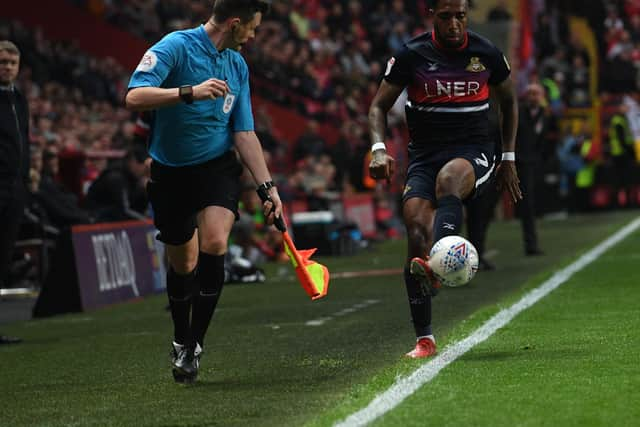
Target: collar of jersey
{"type": "Point", "coordinates": [446, 49]}
{"type": "Point", "coordinates": [207, 41]}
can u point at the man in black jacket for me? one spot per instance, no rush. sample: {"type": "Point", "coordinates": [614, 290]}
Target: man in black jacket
{"type": "Point", "coordinates": [14, 158]}
{"type": "Point", "coordinates": [532, 125]}
{"type": "Point", "coordinates": [118, 194]}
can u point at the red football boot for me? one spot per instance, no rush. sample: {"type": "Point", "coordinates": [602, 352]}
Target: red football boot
{"type": "Point", "coordinates": [425, 347]}
{"type": "Point", "coordinates": [420, 268]}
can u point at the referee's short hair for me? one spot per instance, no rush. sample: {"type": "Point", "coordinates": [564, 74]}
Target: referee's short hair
{"type": "Point", "coordinates": [244, 9]}
{"type": "Point", "coordinates": [7, 46]}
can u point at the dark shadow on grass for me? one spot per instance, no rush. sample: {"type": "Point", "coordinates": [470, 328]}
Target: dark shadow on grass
{"type": "Point", "coordinates": [523, 353]}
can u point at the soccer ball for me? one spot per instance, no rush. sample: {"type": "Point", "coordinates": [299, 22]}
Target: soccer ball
{"type": "Point", "coordinates": [454, 260]}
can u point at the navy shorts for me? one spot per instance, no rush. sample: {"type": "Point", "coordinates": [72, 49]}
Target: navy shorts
{"type": "Point", "coordinates": [425, 163]}
{"type": "Point", "coordinates": [177, 194]}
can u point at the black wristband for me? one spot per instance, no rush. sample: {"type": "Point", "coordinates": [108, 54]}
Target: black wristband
{"type": "Point", "coordinates": [263, 192]}
{"type": "Point", "coordinates": [186, 94]}
{"type": "Point", "coordinates": [265, 186]}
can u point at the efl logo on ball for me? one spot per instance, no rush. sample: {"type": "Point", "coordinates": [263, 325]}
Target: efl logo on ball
{"type": "Point", "coordinates": [454, 260]}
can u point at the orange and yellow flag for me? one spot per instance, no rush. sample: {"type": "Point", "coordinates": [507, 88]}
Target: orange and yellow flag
{"type": "Point", "coordinates": [313, 277]}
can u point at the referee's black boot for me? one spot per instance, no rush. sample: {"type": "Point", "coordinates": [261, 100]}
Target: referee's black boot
{"type": "Point", "coordinates": [185, 361]}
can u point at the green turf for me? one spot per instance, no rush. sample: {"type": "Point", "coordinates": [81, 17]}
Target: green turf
{"type": "Point", "coordinates": [263, 365]}
{"type": "Point", "coordinates": [571, 360]}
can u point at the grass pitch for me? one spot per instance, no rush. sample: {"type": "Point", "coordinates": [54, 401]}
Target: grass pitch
{"type": "Point", "coordinates": [266, 364]}
{"type": "Point", "coordinates": [570, 360]}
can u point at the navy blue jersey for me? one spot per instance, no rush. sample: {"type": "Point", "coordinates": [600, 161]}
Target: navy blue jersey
{"type": "Point", "coordinates": [448, 90]}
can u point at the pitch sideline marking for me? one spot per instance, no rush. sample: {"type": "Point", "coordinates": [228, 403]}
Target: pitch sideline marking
{"type": "Point", "coordinates": [406, 386]}
{"type": "Point", "coordinates": [322, 320]}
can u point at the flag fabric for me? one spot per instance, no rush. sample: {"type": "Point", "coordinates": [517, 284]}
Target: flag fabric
{"type": "Point", "coordinates": [313, 277]}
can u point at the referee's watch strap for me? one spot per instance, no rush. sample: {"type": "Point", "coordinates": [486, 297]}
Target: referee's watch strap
{"type": "Point", "coordinates": [186, 94]}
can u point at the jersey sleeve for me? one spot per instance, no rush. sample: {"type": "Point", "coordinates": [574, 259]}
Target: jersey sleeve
{"type": "Point", "coordinates": [399, 68]}
{"type": "Point", "coordinates": [157, 62]}
{"type": "Point", "coordinates": [242, 114]}
{"type": "Point", "coordinates": [500, 68]}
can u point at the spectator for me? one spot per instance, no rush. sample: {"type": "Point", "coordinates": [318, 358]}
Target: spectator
{"type": "Point", "coordinates": [529, 148]}
{"type": "Point", "coordinates": [556, 63]}
{"type": "Point", "coordinates": [60, 205]}
{"type": "Point", "coordinates": [119, 192]}
{"type": "Point", "coordinates": [310, 143]}
{"type": "Point", "coordinates": [14, 159]}
{"type": "Point", "coordinates": [500, 12]}
{"type": "Point", "coordinates": [570, 162]}
{"type": "Point", "coordinates": [578, 84]}
{"type": "Point", "coordinates": [621, 151]}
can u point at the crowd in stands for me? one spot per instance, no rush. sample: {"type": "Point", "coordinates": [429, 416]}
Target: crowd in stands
{"type": "Point", "coordinates": [593, 175]}
{"type": "Point", "coordinates": [77, 121]}
{"type": "Point", "coordinates": [322, 58]}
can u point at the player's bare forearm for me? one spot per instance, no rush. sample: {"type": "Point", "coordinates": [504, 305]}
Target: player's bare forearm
{"type": "Point", "coordinates": [506, 97]}
{"type": "Point", "coordinates": [377, 124]}
{"type": "Point", "coordinates": [380, 106]}
{"type": "Point", "coordinates": [382, 165]}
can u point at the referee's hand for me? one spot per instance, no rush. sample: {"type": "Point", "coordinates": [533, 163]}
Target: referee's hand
{"type": "Point", "coordinates": [271, 213]}
{"type": "Point", "coordinates": [381, 166]}
{"type": "Point", "coordinates": [210, 89]}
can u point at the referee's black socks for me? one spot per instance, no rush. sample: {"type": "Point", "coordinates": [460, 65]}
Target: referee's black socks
{"type": "Point", "coordinates": [448, 220]}
{"type": "Point", "coordinates": [211, 279]}
{"type": "Point", "coordinates": [179, 289]}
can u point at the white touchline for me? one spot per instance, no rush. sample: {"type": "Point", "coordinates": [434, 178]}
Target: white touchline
{"type": "Point", "coordinates": [404, 387]}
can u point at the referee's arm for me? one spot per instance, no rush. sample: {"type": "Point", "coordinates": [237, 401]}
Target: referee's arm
{"type": "Point", "coordinates": [250, 150]}
{"type": "Point", "coordinates": [146, 98]}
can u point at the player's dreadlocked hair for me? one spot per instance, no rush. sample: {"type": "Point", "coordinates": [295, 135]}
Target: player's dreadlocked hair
{"type": "Point", "coordinates": [244, 9]}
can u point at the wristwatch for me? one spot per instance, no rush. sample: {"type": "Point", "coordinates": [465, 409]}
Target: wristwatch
{"type": "Point", "coordinates": [186, 94]}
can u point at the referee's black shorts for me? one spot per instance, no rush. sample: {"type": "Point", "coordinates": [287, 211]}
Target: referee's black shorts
{"type": "Point", "coordinates": [177, 194]}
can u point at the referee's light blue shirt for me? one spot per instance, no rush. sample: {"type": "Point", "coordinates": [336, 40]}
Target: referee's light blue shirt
{"type": "Point", "coordinates": [191, 134]}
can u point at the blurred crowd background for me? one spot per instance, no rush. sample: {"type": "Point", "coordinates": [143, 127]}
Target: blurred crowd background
{"type": "Point", "coordinates": [316, 65]}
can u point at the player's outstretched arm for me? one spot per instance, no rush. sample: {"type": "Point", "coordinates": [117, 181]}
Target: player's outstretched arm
{"type": "Point", "coordinates": [506, 174]}
{"type": "Point", "coordinates": [382, 164]}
